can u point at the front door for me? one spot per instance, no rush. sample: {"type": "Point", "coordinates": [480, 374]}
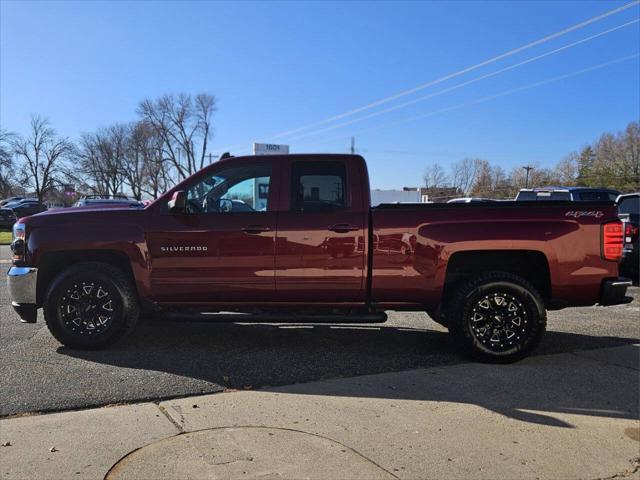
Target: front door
{"type": "Point", "coordinates": [223, 247]}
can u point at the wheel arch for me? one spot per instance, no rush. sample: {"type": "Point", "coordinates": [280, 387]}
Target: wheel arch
{"type": "Point", "coordinates": [53, 263]}
{"type": "Point", "coordinates": [531, 265]}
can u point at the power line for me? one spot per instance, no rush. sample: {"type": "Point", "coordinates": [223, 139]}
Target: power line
{"type": "Point", "coordinates": [460, 85]}
{"type": "Point", "coordinates": [450, 152]}
{"type": "Point", "coordinates": [453, 75]}
{"type": "Point", "coordinates": [492, 97]}
{"type": "Point", "coordinates": [463, 71]}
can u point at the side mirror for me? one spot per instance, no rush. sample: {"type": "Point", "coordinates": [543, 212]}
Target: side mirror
{"type": "Point", "coordinates": [178, 202]}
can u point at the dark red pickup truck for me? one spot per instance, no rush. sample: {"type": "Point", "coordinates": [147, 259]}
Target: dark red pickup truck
{"type": "Point", "coordinates": [293, 238]}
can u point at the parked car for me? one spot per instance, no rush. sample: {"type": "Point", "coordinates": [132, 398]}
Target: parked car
{"type": "Point", "coordinates": [26, 207]}
{"type": "Point", "coordinates": [470, 200]}
{"type": "Point", "coordinates": [629, 208]}
{"type": "Point", "coordinates": [10, 200]}
{"type": "Point", "coordinates": [315, 251]}
{"type": "Point", "coordinates": [569, 194]}
{"type": "Point", "coordinates": [100, 201]}
{"type": "Point", "coordinates": [13, 203]}
{"type": "Point", "coordinates": [7, 218]}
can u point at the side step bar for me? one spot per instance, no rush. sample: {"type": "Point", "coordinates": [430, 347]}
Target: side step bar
{"type": "Point", "coordinates": [285, 317]}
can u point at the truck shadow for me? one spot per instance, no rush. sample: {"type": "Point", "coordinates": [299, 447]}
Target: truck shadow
{"type": "Point", "coordinates": [253, 356]}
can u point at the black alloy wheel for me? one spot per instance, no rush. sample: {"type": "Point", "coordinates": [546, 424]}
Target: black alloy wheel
{"type": "Point", "coordinates": [496, 317]}
{"type": "Point", "coordinates": [499, 321]}
{"type": "Point", "coordinates": [91, 305]}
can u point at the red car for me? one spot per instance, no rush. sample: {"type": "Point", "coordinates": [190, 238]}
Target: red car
{"type": "Point", "coordinates": [307, 247]}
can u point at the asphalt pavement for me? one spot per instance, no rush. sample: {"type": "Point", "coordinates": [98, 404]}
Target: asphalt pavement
{"type": "Point", "coordinates": [164, 359]}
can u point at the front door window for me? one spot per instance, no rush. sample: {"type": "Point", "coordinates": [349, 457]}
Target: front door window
{"type": "Point", "coordinates": [238, 189]}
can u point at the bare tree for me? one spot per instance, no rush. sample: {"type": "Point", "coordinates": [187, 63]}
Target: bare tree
{"type": "Point", "coordinates": [566, 171]}
{"type": "Point", "coordinates": [608, 152]}
{"type": "Point", "coordinates": [7, 171]}
{"type": "Point", "coordinates": [184, 125]}
{"type": "Point", "coordinates": [145, 168]}
{"type": "Point", "coordinates": [492, 182]}
{"type": "Point", "coordinates": [102, 157]}
{"type": "Point", "coordinates": [629, 165]}
{"type": "Point", "coordinates": [463, 174]}
{"type": "Point", "coordinates": [435, 176]}
{"type": "Point", "coordinates": [136, 157]}
{"type": "Point", "coordinates": [483, 184]}
{"type": "Point", "coordinates": [612, 161]}
{"type": "Point", "coordinates": [41, 153]}
{"type": "Point", "coordinates": [157, 179]}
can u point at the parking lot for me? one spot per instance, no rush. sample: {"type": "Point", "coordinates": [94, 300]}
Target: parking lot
{"type": "Point", "coordinates": [164, 359]}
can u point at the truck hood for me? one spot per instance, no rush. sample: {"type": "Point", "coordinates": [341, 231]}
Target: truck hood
{"type": "Point", "coordinates": [78, 215]}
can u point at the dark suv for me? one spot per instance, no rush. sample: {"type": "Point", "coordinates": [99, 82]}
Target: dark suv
{"type": "Point", "coordinates": [567, 194]}
{"type": "Point", "coordinates": [7, 218]}
{"type": "Point", "coordinates": [629, 207]}
{"type": "Point", "coordinates": [27, 207]}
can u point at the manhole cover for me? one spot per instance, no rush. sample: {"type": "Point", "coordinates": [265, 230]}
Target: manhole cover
{"type": "Point", "coordinates": [245, 452]}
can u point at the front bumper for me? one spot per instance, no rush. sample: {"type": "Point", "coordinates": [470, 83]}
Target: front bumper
{"type": "Point", "coordinates": [614, 291]}
{"type": "Point", "coordinates": [21, 282]}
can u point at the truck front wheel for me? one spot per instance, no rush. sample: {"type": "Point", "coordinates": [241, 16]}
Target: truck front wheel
{"type": "Point", "coordinates": [90, 306]}
{"type": "Point", "coordinates": [497, 317]}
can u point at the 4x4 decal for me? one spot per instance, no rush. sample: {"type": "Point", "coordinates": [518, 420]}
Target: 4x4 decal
{"type": "Point", "coordinates": [584, 213]}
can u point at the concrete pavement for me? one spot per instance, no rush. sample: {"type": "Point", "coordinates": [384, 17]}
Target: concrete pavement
{"type": "Point", "coordinates": [571, 415]}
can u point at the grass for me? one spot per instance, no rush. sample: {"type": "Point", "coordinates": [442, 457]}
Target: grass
{"type": "Point", "coordinates": [5, 238]}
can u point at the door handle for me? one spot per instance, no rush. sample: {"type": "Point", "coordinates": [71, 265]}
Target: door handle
{"type": "Point", "coordinates": [343, 228]}
{"type": "Point", "coordinates": [255, 229]}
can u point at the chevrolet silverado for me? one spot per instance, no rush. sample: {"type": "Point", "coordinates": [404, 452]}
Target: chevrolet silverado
{"type": "Point", "coordinates": [293, 238]}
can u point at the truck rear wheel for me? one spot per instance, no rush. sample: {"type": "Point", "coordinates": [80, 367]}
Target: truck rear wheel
{"type": "Point", "coordinates": [497, 317]}
{"type": "Point", "coordinates": [438, 316]}
{"type": "Point", "coordinates": [90, 306]}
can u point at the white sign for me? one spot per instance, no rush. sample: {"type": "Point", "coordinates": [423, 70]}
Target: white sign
{"type": "Point", "coordinates": [270, 149]}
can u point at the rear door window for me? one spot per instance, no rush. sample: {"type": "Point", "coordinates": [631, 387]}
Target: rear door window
{"type": "Point", "coordinates": [318, 186]}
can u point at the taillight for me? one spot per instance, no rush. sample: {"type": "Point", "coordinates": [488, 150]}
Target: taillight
{"type": "Point", "coordinates": [612, 240]}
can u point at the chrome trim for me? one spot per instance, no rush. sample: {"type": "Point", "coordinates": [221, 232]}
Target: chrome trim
{"type": "Point", "coordinates": [625, 283]}
{"type": "Point", "coordinates": [21, 282]}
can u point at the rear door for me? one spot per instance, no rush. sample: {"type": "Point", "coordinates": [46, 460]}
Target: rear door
{"type": "Point", "coordinates": [320, 244]}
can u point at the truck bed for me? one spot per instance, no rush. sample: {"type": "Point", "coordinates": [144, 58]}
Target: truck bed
{"type": "Point", "coordinates": [416, 247]}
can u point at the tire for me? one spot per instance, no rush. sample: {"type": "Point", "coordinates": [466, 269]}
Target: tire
{"type": "Point", "coordinates": [439, 317]}
{"type": "Point", "coordinates": [90, 306]}
{"type": "Point", "coordinates": [497, 317]}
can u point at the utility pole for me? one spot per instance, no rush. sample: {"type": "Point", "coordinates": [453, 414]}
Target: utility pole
{"type": "Point", "coordinates": [526, 181]}
{"type": "Point", "coordinates": [209, 155]}
{"type": "Point", "coordinates": [353, 145]}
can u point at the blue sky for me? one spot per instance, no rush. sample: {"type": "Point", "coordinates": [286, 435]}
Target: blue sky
{"type": "Point", "coordinates": [276, 66]}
